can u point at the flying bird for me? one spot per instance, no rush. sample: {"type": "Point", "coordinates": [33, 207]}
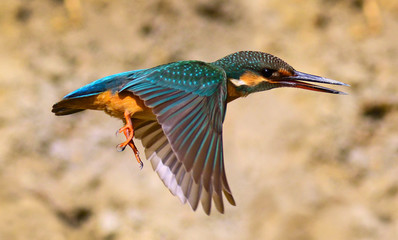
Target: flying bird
{"type": "Point", "coordinates": [177, 111]}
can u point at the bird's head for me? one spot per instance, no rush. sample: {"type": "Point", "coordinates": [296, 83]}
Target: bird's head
{"type": "Point", "coordinates": [250, 72]}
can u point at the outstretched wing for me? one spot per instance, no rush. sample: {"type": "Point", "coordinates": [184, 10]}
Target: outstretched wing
{"type": "Point", "coordinates": [185, 144]}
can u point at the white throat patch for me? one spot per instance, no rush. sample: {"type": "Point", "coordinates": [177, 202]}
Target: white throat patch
{"type": "Point", "coordinates": [237, 82]}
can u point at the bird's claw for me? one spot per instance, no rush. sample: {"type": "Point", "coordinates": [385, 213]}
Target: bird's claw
{"type": "Point", "coordinates": [141, 165]}
{"type": "Point", "coordinates": [137, 154]}
{"type": "Point", "coordinates": [120, 147]}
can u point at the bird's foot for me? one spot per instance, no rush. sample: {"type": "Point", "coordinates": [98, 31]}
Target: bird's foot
{"type": "Point", "coordinates": [120, 147]}
{"type": "Point", "coordinates": [128, 132]}
{"type": "Point", "coordinates": [136, 153]}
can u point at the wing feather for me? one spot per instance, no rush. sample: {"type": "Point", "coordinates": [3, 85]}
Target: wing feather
{"type": "Point", "coordinates": [184, 145]}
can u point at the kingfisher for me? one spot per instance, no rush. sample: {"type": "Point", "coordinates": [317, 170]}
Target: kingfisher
{"type": "Point", "coordinates": [177, 111]}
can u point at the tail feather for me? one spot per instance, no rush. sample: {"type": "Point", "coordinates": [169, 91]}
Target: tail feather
{"type": "Point", "coordinates": [65, 111]}
{"type": "Point", "coordinates": [74, 105]}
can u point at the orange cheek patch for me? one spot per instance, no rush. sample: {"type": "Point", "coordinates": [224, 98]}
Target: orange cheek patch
{"type": "Point", "coordinates": [251, 79]}
{"type": "Point", "coordinates": [280, 73]}
{"type": "Point", "coordinates": [284, 72]}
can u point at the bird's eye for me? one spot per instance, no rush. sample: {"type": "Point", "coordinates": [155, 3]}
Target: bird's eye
{"type": "Point", "coordinates": [268, 72]}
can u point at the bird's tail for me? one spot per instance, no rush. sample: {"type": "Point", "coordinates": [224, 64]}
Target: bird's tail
{"type": "Point", "coordinates": [65, 111]}
{"type": "Point", "coordinates": [74, 105]}
{"type": "Point", "coordinates": [84, 97]}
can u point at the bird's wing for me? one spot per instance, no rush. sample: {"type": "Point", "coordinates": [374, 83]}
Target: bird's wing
{"type": "Point", "coordinates": [185, 144]}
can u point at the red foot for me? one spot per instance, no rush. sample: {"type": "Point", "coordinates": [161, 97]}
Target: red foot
{"type": "Point", "coordinates": [128, 131]}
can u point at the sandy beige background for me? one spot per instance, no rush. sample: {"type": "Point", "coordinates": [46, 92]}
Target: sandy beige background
{"type": "Point", "coordinates": [302, 165]}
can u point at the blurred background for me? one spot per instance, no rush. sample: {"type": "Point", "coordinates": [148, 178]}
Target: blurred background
{"type": "Point", "coordinates": [301, 165]}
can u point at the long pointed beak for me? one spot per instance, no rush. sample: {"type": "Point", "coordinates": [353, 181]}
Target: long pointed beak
{"type": "Point", "coordinates": [300, 79]}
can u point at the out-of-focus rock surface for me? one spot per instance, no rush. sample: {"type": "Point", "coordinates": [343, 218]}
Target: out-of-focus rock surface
{"type": "Point", "coordinates": [302, 165]}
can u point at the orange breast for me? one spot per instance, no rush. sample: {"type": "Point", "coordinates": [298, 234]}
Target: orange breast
{"type": "Point", "coordinates": [116, 104]}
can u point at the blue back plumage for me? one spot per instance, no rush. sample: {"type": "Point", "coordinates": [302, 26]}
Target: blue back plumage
{"type": "Point", "coordinates": [112, 82]}
{"type": "Point", "coordinates": [190, 76]}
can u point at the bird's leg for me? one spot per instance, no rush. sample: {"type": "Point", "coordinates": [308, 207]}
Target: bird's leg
{"type": "Point", "coordinates": [128, 132]}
